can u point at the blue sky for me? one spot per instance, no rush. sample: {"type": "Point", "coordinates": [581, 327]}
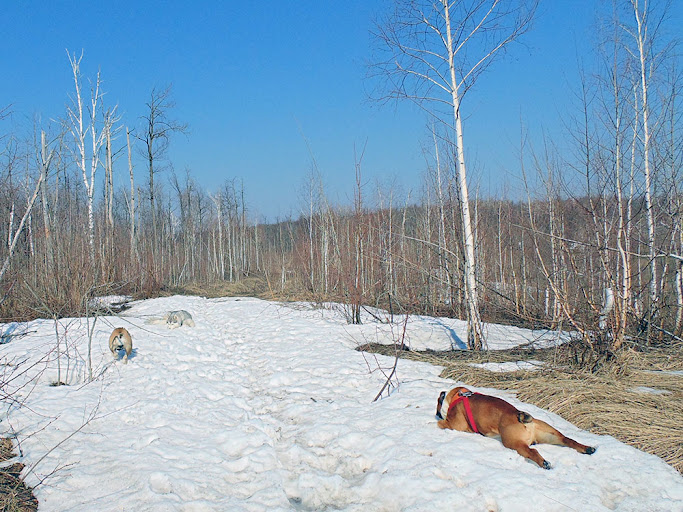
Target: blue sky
{"type": "Point", "coordinates": [252, 79]}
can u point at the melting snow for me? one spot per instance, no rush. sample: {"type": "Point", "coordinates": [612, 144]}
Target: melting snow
{"type": "Point", "coordinates": [268, 407]}
{"type": "Point", "coordinates": [652, 391]}
{"type": "Point", "coordinates": [512, 366]}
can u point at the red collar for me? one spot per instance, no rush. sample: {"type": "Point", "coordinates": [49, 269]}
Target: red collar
{"type": "Point", "coordinates": [465, 398]}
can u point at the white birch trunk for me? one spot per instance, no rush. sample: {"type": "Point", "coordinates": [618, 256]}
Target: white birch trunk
{"type": "Point", "coordinates": [94, 163]}
{"type": "Point", "coordinates": [10, 226]}
{"type": "Point", "coordinates": [641, 41]}
{"type": "Point", "coordinates": [13, 242]}
{"type": "Point", "coordinates": [474, 328]}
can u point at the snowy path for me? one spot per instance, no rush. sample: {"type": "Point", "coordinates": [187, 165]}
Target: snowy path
{"type": "Point", "coordinates": [264, 407]}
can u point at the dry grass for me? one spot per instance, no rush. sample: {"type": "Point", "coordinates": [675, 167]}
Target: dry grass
{"type": "Point", "coordinates": [252, 286]}
{"type": "Point", "coordinates": [605, 403]}
{"type": "Point", "coordinates": [246, 286]}
{"type": "Point", "coordinates": [6, 449]}
{"type": "Point", "coordinates": [15, 496]}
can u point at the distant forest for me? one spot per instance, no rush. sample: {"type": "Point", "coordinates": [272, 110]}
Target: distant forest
{"type": "Point", "coordinates": [595, 247]}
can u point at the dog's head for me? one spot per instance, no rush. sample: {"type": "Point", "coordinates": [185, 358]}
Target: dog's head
{"type": "Point", "coordinates": [174, 321]}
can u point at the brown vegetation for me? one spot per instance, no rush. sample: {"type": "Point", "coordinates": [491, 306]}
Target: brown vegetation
{"type": "Point", "coordinates": [15, 496]}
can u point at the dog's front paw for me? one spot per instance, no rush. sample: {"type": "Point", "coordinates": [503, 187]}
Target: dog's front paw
{"type": "Point", "coordinates": [546, 465]}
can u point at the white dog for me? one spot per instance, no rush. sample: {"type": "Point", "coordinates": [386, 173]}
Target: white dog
{"type": "Point", "coordinates": [174, 319]}
{"type": "Point", "coordinates": [120, 340]}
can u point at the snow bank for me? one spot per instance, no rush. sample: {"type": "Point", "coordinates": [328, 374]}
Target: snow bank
{"type": "Point", "coordinates": [511, 366]}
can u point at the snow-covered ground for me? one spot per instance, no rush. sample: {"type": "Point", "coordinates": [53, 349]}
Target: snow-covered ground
{"type": "Point", "coordinates": [264, 406]}
{"type": "Point", "coordinates": [512, 366]}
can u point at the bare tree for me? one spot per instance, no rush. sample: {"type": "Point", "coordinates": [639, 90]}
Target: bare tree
{"type": "Point", "coordinates": [133, 245]}
{"type": "Point", "coordinates": [110, 132]}
{"type": "Point", "coordinates": [14, 238]}
{"type": "Point", "coordinates": [435, 52]}
{"type": "Point", "coordinates": [648, 56]}
{"type": "Point", "coordinates": [156, 137]}
{"type": "Point", "coordinates": [45, 159]}
{"type": "Point", "coordinates": [81, 131]}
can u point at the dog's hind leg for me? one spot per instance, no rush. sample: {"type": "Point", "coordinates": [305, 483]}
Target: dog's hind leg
{"type": "Point", "coordinates": [525, 450]}
{"type": "Point", "coordinates": [544, 433]}
{"type": "Point", "coordinates": [517, 437]}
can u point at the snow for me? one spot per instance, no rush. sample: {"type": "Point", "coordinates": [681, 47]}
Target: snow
{"type": "Point", "coordinates": [264, 406]}
{"type": "Point", "coordinates": [667, 372]}
{"type": "Point", "coordinates": [511, 366]}
{"type": "Point", "coordinates": [649, 390]}
{"type": "Point", "coordinates": [108, 301]}
{"type": "Point", "coordinates": [446, 333]}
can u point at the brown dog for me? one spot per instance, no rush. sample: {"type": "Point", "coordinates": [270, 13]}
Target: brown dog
{"type": "Point", "coordinates": [120, 340]}
{"type": "Point", "coordinates": [491, 416]}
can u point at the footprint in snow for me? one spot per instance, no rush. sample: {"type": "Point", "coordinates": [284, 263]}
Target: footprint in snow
{"type": "Point", "coordinates": [160, 483]}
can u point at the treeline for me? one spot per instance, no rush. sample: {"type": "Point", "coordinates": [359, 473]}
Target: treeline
{"type": "Point", "coordinates": [554, 263]}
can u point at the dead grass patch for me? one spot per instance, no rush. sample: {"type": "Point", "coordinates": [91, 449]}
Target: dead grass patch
{"type": "Point", "coordinates": [15, 496]}
{"type": "Point", "coordinates": [605, 403]}
{"type": "Point", "coordinates": [247, 286]}
{"type": "Point", "coordinates": [251, 286]}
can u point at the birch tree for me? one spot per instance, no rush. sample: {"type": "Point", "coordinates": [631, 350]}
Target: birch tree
{"type": "Point", "coordinates": [45, 159]}
{"type": "Point", "coordinates": [133, 246]}
{"type": "Point", "coordinates": [643, 55]}
{"type": "Point", "coordinates": [156, 138]}
{"type": "Point", "coordinates": [435, 51]}
{"type": "Point", "coordinates": [82, 128]}
{"type": "Point", "coordinates": [649, 56]}
{"type": "Point", "coordinates": [14, 237]}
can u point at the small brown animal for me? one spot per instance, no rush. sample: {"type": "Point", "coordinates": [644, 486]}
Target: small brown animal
{"type": "Point", "coordinates": [120, 339]}
{"type": "Point", "coordinates": [490, 416]}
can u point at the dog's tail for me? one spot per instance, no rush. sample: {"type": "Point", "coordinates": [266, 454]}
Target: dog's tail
{"type": "Point", "coordinates": [524, 417]}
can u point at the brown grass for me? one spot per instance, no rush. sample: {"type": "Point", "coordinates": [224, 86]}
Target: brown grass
{"type": "Point", "coordinates": [15, 496]}
{"type": "Point", "coordinates": [251, 286]}
{"type": "Point", "coordinates": [605, 403]}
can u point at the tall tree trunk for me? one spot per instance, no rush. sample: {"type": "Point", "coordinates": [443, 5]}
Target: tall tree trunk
{"type": "Point", "coordinates": [45, 159]}
{"type": "Point", "coordinates": [475, 335]}
{"type": "Point", "coordinates": [642, 43]}
{"type": "Point", "coordinates": [133, 244]}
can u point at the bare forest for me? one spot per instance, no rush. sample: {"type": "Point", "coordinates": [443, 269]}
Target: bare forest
{"type": "Point", "coordinates": [90, 205]}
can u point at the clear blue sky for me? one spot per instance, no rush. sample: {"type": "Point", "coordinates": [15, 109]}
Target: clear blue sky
{"type": "Point", "coordinates": [253, 78]}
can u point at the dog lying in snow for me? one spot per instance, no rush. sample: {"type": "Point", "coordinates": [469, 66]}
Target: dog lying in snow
{"type": "Point", "coordinates": [491, 416]}
{"type": "Point", "coordinates": [120, 340]}
{"type": "Point", "coordinates": [174, 319]}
